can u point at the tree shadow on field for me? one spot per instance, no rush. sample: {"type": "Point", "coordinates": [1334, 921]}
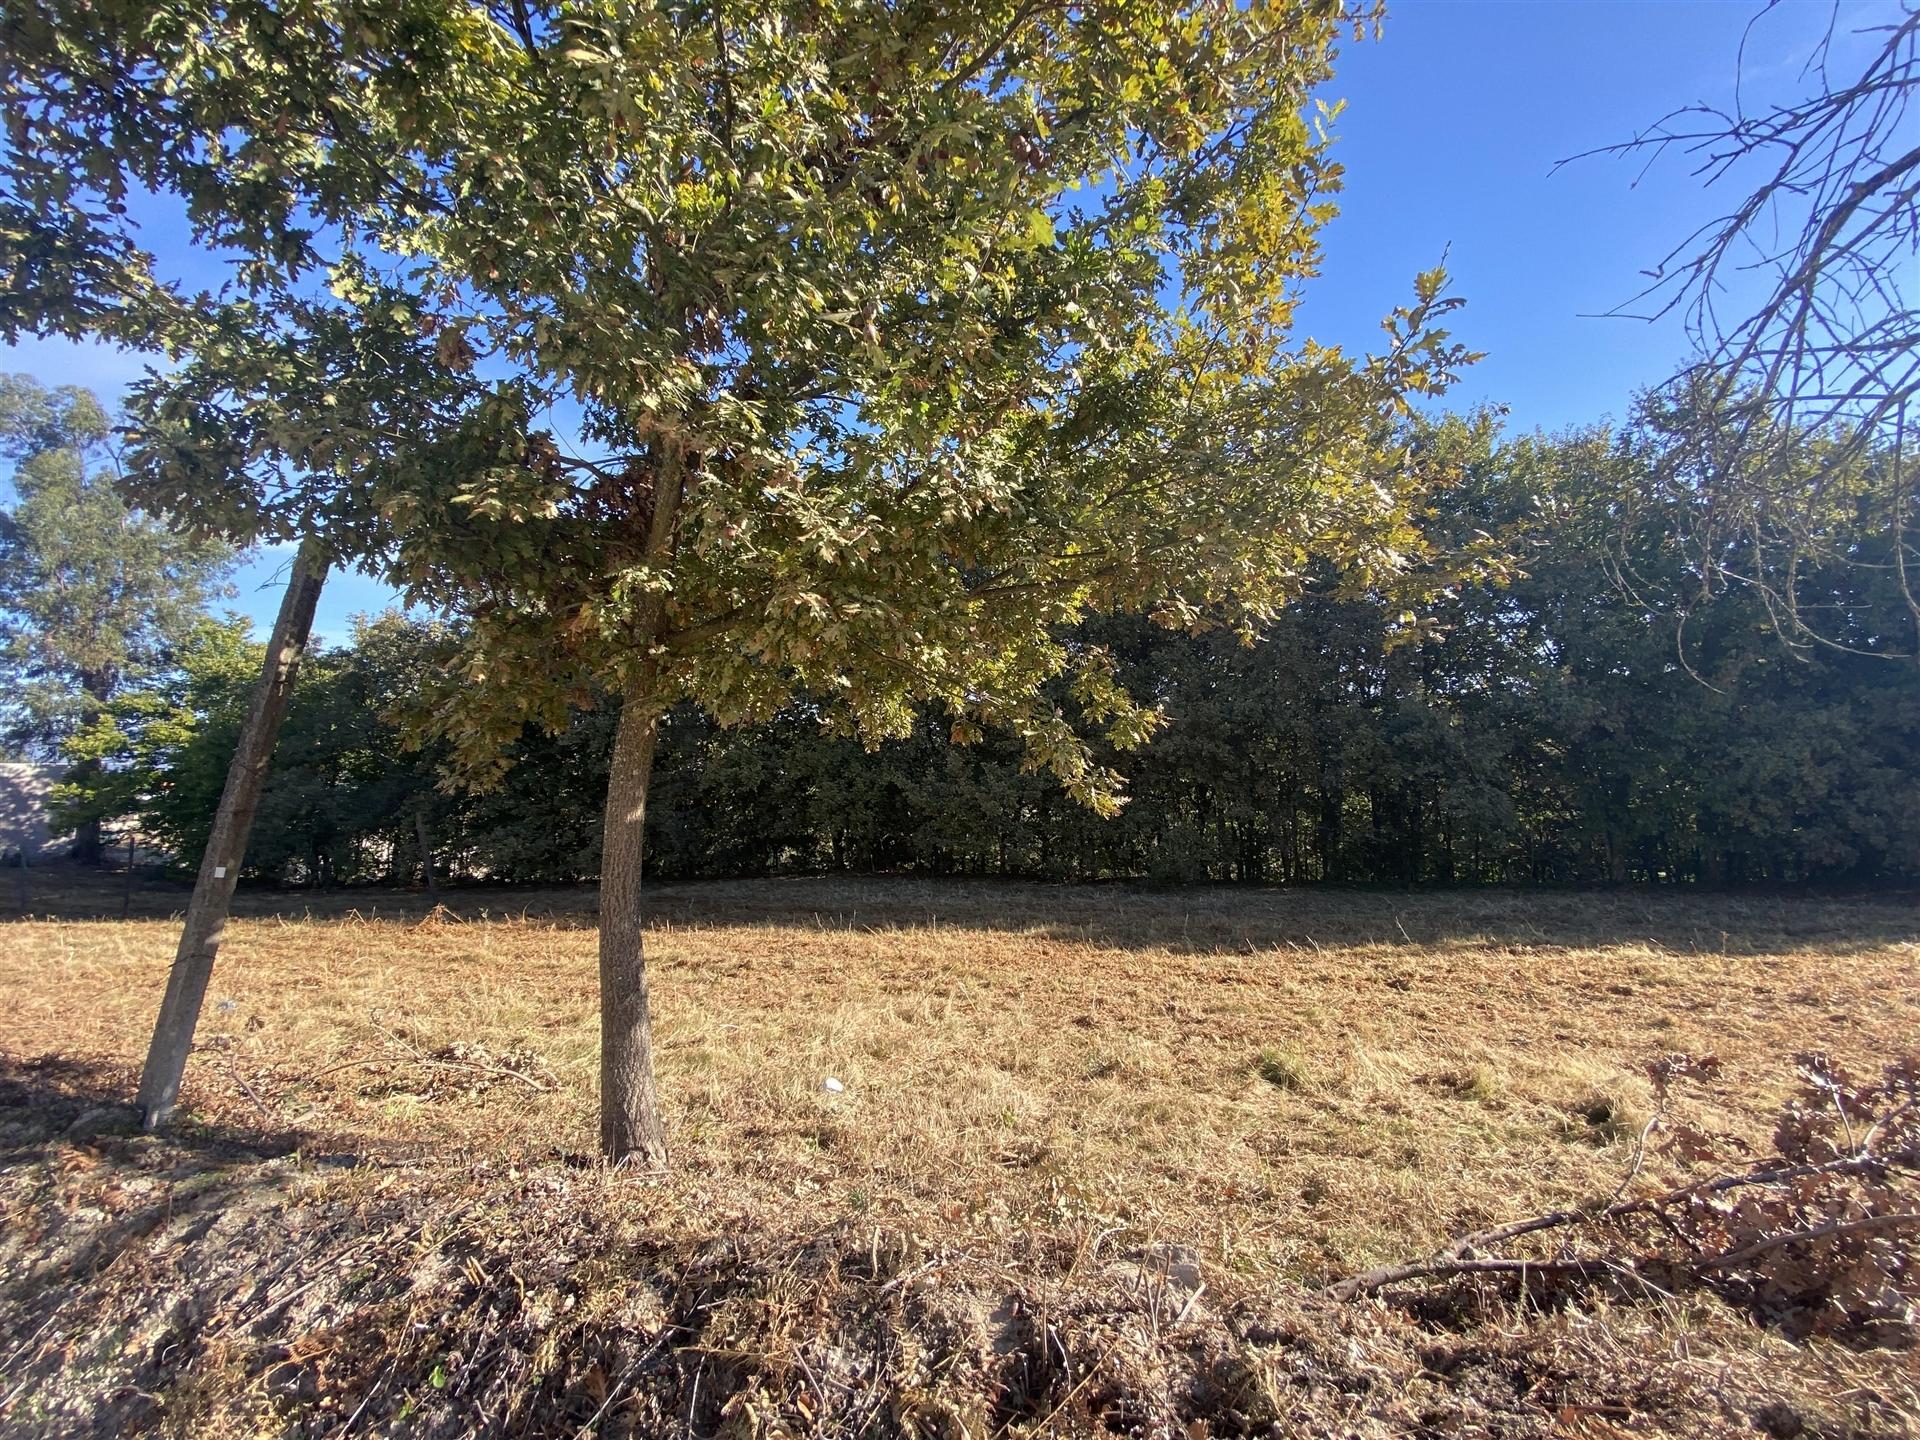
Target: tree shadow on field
{"type": "Point", "coordinates": [50, 1104]}
{"type": "Point", "coordinates": [69, 1120]}
{"type": "Point", "coordinates": [89, 1190]}
{"type": "Point", "coordinates": [1120, 915]}
{"type": "Point", "coordinates": [1244, 919]}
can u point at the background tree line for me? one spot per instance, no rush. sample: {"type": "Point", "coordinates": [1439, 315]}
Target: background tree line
{"type": "Point", "coordinates": [1606, 710]}
{"type": "Point", "coordinates": [95, 594]}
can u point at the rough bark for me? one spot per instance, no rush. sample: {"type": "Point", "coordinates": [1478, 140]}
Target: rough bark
{"type": "Point", "coordinates": [227, 844]}
{"type": "Point", "coordinates": [631, 1128]}
{"type": "Point", "coordinates": [88, 848]}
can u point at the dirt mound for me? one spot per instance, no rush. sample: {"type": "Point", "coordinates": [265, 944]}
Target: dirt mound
{"type": "Point", "coordinates": [213, 1284]}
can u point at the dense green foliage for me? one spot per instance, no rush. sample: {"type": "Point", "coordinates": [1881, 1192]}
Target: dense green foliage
{"type": "Point", "coordinates": [838, 354]}
{"type": "Point", "coordinates": [837, 351]}
{"type": "Point", "coordinates": [93, 592]}
{"type": "Point", "coordinates": [343, 790]}
{"type": "Point", "coordinates": [1553, 728]}
{"type": "Point", "coordinates": [849, 368]}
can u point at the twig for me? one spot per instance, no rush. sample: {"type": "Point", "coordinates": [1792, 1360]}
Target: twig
{"type": "Point", "coordinates": [1793, 1237]}
{"type": "Point", "coordinates": [251, 1094]}
{"type": "Point", "coordinates": [633, 1371]}
{"type": "Point", "coordinates": [1424, 1269]}
{"type": "Point", "coordinates": [1639, 1151]}
{"type": "Point", "coordinates": [1873, 1130]}
{"type": "Point", "coordinates": [1461, 1257]}
{"type": "Point", "coordinates": [900, 1281]}
{"type": "Point", "coordinates": [334, 1265]}
{"type": "Point", "coordinates": [1187, 1309]}
{"type": "Point", "coordinates": [426, 1059]}
{"type": "Point", "coordinates": [420, 1058]}
{"type": "Point", "coordinates": [367, 1399]}
{"type": "Point", "coordinates": [1088, 1374]}
{"type": "Point", "coordinates": [1427, 1269]}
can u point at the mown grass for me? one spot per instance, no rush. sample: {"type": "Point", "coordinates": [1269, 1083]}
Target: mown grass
{"type": "Point", "coordinates": [1291, 1084]}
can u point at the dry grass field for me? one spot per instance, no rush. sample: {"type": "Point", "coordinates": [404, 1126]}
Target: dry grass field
{"type": "Point", "coordinates": [1278, 1088]}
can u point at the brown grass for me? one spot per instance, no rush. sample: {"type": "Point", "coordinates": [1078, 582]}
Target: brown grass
{"type": "Point", "coordinates": [1090, 1143]}
{"type": "Point", "coordinates": [1292, 1085]}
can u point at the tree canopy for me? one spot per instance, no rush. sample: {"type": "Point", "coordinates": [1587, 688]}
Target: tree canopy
{"type": "Point", "coordinates": [94, 593]}
{"type": "Point", "coordinates": [1544, 728]}
{"type": "Point", "coordinates": [919, 333]}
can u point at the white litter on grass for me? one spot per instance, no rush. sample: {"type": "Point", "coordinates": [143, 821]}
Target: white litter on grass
{"type": "Point", "coordinates": [832, 1086]}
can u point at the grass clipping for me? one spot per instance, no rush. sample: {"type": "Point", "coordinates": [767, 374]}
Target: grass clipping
{"type": "Point", "coordinates": [1098, 1158]}
{"type": "Point", "coordinates": [187, 1285]}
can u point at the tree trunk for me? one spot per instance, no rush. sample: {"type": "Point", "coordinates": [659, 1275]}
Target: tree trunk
{"type": "Point", "coordinates": [126, 889]}
{"type": "Point", "coordinates": [88, 848]}
{"type": "Point", "coordinates": [1332, 823]}
{"type": "Point", "coordinates": [426, 854]}
{"type": "Point", "coordinates": [227, 844]}
{"type": "Point", "coordinates": [630, 1123]}
{"type": "Point", "coordinates": [1616, 859]}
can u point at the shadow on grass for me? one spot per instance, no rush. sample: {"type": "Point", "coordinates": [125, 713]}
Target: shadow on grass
{"type": "Point", "coordinates": [90, 1189]}
{"type": "Point", "coordinates": [1199, 919]}
{"type": "Point", "coordinates": [55, 1103]}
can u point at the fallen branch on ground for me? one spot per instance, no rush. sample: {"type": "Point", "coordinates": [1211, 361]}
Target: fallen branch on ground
{"type": "Point", "coordinates": [1810, 1231]}
{"type": "Point", "coordinates": [1464, 1256]}
{"type": "Point", "coordinates": [439, 1059]}
{"type": "Point", "coordinates": [366, 1061]}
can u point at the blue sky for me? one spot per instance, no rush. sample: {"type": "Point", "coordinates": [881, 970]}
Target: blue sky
{"type": "Point", "coordinates": [1454, 123]}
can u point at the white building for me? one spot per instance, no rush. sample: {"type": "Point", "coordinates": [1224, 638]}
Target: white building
{"type": "Point", "coordinates": [23, 810]}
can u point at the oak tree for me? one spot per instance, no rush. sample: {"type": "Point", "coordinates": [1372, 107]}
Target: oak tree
{"type": "Point", "coordinates": [839, 350]}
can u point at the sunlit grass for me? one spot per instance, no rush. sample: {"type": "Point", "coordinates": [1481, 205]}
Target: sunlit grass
{"type": "Point", "coordinates": [1291, 1083]}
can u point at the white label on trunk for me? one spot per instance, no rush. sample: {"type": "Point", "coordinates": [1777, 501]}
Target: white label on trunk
{"type": "Point", "coordinates": [219, 872]}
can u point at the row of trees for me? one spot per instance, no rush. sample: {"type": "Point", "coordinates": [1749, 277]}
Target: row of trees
{"type": "Point", "coordinates": [1553, 724]}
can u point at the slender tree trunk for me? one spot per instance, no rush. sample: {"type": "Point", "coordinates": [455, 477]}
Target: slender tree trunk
{"type": "Point", "coordinates": [1332, 823]}
{"type": "Point", "coordinates": [227, 844]}
{"type": "Point", "coordinates": [87, 848]}
{"type": "Point", "coordinates": [126, 888]}
{"type": "Point", "coordinates": [20, 880]}
{"type": "Point", "coordinates": [631, 1128]}
{"type": "Point", "coordinates": [426, 854]}
{"type": "Point", "coordinates": [630, 1123]}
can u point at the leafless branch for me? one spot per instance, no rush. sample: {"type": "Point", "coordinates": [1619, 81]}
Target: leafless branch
{"type": "Point", "coordinates": [1827, 226]}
